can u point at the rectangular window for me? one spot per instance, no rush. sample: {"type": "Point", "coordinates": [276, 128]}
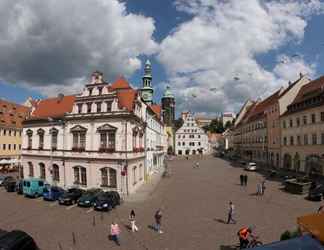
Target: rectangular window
{"type": "Point", "coordinates": [134, 175]}
{"type": "Point", "coordinates": [54, 141]}
{"type": "Point", "coordinates": [285, 140]}
{"type": "Point", "coordinates": [9, 146]}
{"type": "Point", "coordinates": [79, 108]}
{"type": "Point", "coordinates": [298, 140]}
{"type": "Point", "coordinates": [284, 124]}
{"type": "Point", "coordinates": [313, 118]}
{"type": "Point", "coordinates": [76, 175]}
{"type": "Point", "coordinates": [9, 132]}
{"type": "Point", "coordinates": [84, 176]}
{"type": "Point", "coordinates": [98, 107]}
{"type": "Point", "coordinates": [183, 144]}
{"type": "Point", "coordinates": [103, 140]}
{"type": "Point", "coordinates": [290, 123]}
{"type": "Point", "coordinates": [4, 132]}
{"type": "Point", "coordinates": [322, 116]}
{"type": "Point", "coordinates": [305, 139]}
{"type": "Point", "coordinates": [111, 140]}
{"type": "Point", "coordinates": [298, 121]}
{"type": "Point", "coordinates": [41, 141]}
{"type": "Point", "coordinates": [305, 120]}
{"type": "Point", "coordinates": [291, 140]}
{"type": "Point", "coordinates": [30, 141]}
{"type": "Point", "coordinates": [109, 106]}
{"type": "Point", "coordinates": [89, 107]}
{"type": "Point", "coordinates": [322, 138]}
{"type": "Point", "coordinates": [75, 140]}
{"type": "Point", "coordinates": [14, 146]}
{"type": "Point", "coordinates": [314, 139]}
{"type": "Point", "coordinates": [82, 140]}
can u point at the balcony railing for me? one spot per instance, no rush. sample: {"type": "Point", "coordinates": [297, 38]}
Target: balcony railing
{"type": "Point", "coordinates": [138, 150]}
{"type": "Point", "coordinates": [77, 149]}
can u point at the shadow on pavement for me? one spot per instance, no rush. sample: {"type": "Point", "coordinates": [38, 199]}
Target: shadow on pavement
{"type": "Point", "coordinates": [222, 247]}
{"type": "Point", "coordinates": [220, 221]}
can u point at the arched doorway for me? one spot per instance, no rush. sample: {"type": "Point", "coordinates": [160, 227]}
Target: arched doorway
{"type": "Point", "coordinates": [297, 162]}
{"type": "Point", "coordinates": [108, 177]}
{"type": "Point", "coordinates": [313, 165]}
{"type": "Point", "coordinates": [287, 161]}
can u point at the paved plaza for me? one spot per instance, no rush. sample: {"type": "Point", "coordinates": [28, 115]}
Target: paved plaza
{"type": "Point", "coordinates": [194, 204]}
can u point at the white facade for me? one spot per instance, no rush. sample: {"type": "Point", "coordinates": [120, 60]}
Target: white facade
{"type": "Point", "coordinates": [156, 144]}
{"type": "Point", "coordinates": [191, 139]}
{"type": "Point", "coordinates": [100, 142]}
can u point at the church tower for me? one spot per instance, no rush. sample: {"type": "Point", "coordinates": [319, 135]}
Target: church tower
{"type": "Point", "coordinates": [147, 90]}
{"type": "Point", "coordinates": [168, 107]}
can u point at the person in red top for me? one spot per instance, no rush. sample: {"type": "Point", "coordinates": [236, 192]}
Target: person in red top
{"type": "Point", "coordinates": [244, 234]}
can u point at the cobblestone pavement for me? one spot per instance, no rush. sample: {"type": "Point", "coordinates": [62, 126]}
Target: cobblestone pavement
{"type": "Point", "coordinates": [194, 204]}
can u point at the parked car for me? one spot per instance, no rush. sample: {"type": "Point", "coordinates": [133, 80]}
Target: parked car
{"type": "Point", "coordinates": [106, 201]}
{"type": "Point", "coordinates": [243, 163]}
{"type": "Point", "coordinates": [316, 193]}
{"type": "Point", "coordinates": [88, 198]}
{"type": "Point", "coordinates": [251, 166]}
{"type": "Point", "coordinates": [17, 240]}
{"type": "Point", "coordinates": [10, 186]}
{"type": "Point", "coordinates": [33, 187]}
{"type": "Point", "coordinates": [4, 179]}
{"type": "Point", "coordinates": [19, 187]}
{"type": "Point", "coordinates": [71, 196]}
{"type": "Point", "coordinates": [52, 193]}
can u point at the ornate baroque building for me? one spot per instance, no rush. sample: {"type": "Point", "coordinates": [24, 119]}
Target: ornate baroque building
{"type": "Point", "coordinates": [94, 139]}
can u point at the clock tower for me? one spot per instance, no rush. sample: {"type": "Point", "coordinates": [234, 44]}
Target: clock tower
{"type": "Point", "coordinates": [147, 90]}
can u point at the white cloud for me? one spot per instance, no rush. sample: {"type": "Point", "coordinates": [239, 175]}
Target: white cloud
{"type": "Point", "coordinates": [217, 50]}
{"type": "Point", "coordinates": [48, 44]}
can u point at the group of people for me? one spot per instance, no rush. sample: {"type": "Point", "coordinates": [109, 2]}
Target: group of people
{"type": "Point", "coordinates": [243, 180]}
{"type": "Point", "coordinates": [115, 229]}
{"type": "Point", "coordinates": [261, 188]}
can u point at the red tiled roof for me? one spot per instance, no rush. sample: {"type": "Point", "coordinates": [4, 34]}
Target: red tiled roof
{"type": "Point", "coordinates": [120, 83]}
{"type": "Point", "coordinates": [53, 107]}
{"type": "Point", "coordinates": [309, 90]}
{"type": "Point", "coordinates": [12, 114]}
{"type": "Point", "coordinates": [156, 108]}
{"type": "Point", "coordinates": [260, 108]}
{"type": "Point", "coordinates": [126, 98]}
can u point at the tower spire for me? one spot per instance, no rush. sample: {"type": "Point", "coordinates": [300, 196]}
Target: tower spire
{"type": "Point", "coordinates": [147, 90]}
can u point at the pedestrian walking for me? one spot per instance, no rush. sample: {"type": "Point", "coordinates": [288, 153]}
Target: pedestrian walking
{"type": "Point", "coordinates": [245, 180]}
{"type": "Point", "coordinates": [114, 232]}
{"type": "Point", "coordinates": [158, 220]}
{"type": "Point", "coordinates": [132, 221]}
{"type": "Point", "coordinates": [263, 187]}
{"type": "Point", "coordinates": [242, 180]}
{"type": "Point", "coordinates": [259, 191]}
{"type": "Point", "coordinates": [320, 209]}
{"type": "Point", "coordinates": [231, 213]}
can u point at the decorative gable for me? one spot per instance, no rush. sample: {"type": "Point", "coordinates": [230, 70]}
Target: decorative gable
{"type": "Point", "coordinates": [78, 128]}
{"type": "Point", "coordinates": [106, 127]}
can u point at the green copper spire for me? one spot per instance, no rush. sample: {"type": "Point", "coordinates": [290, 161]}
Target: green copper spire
{"type": "Point", "coordinates": [167, 92]}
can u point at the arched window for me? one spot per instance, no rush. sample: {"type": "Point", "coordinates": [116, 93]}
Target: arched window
{"type": "Point", "coordinates": [42, 171]}
{"type": "Point", "coordinates": [56, 173]}
{"type": "Point", "coordinates": [30, 139]}
{"type": "Point", "coordinates": [54, 133]}
{"type": "Point", "coordinates": [31, 169]}
{"type": "Point", "coordinates": [108, 177]}
{"type": "Point", "coordinates": [134, 175]}
{"type": "Point", "coordinates": [40, 133]}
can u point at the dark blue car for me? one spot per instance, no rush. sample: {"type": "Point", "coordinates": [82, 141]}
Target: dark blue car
{"type": "Point", "coordinates": [52, 193]}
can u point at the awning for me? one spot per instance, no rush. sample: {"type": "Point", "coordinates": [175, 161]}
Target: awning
{"type": "Point", "coordinates": [305, 242]}
{"type": "Point", "coordinates": [314, 224]}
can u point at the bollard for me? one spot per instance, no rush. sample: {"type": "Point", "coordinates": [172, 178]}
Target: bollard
{"type": "Point", "coordinates": [73, 238]}
{"type": "Point", "coordinates": [94, 221]}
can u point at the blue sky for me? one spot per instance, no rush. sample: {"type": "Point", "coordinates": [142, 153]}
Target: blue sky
{"type": "Point", "coordinates": [195, 46]}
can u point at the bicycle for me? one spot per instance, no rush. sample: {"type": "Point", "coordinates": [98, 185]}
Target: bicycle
{"type": "Point", "coordinates": [254, 242]}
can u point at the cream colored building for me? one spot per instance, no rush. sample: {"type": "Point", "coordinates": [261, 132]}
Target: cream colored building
{"type": "Point", "coordinates": [11, 117]}
{"type": "Point", "coordinates": [302, 130]}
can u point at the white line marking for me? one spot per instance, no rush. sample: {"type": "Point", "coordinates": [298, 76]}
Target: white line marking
{"type": "Point", "coordinates": [89, 211]}
{"type": "Point", "coordinates": [53, 204]}
{"type": "Point", "coordinates": [70, 207]}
